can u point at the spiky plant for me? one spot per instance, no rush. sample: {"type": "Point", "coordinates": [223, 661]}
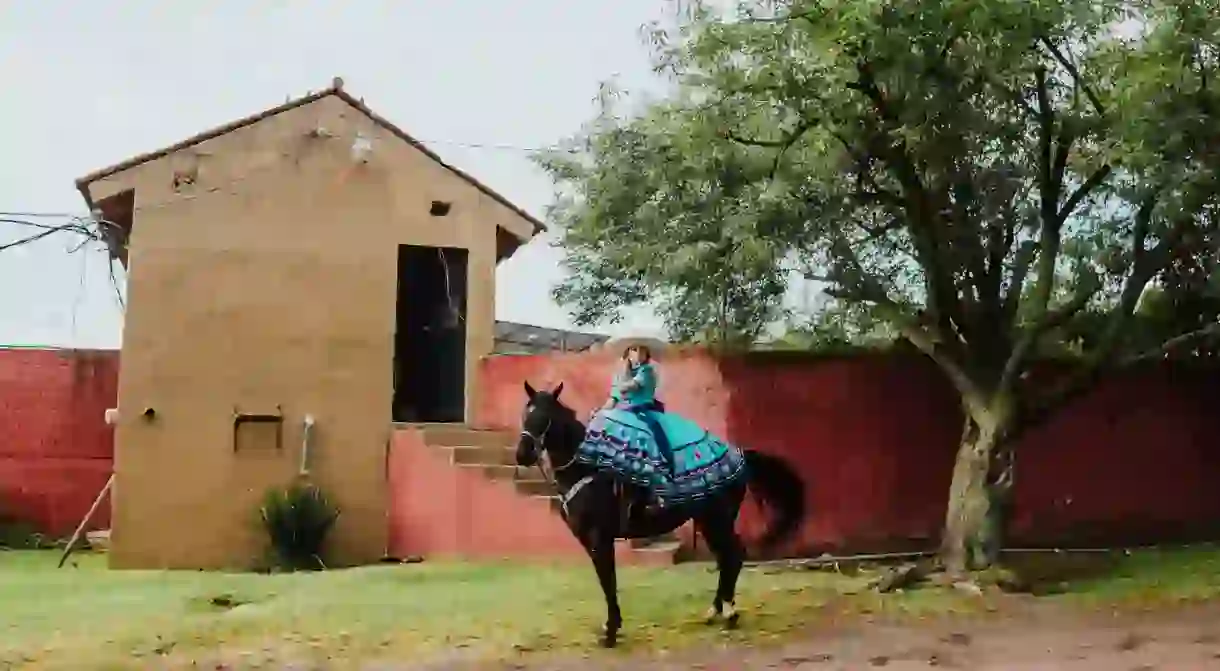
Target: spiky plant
{"type": "Point", "coordinates": [297, 519]}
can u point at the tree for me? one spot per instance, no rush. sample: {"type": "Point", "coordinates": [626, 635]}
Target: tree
{"type": "Point", "coordinates": [983, 176]}
{"type": "Point", "coordinates": [643, 223]}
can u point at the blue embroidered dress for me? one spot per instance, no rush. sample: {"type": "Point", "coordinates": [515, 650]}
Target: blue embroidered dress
{"type": "Point", "coordinates": [671, 457]}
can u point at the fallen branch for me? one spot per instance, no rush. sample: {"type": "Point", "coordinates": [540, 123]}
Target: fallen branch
{"type": "Point", "coordinates": [904, 576]}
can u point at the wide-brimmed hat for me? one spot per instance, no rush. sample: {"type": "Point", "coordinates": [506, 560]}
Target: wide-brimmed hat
{"type": "Point", "coordinates": [620, 345]}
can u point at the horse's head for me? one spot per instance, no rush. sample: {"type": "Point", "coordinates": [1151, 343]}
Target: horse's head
{"type": "Point", "coordinates": [539, 420]}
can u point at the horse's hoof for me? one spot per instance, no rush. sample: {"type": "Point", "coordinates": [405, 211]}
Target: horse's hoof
{"type": "Point", "coordinates": [711, 615]}
{"type": "Point", "coordinates": [610, 639]}
{"type": "Point", "coordinates": [731, 616]}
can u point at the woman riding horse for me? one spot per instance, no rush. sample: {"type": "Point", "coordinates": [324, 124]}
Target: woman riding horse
{"type": "Point", "coordinates": [634, 389]}
{"type": "Point", "coordinates": [590, 497]}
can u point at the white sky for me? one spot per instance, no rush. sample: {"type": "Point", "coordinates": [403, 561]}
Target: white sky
{"type": "Point", "coordinates": [91, 83]}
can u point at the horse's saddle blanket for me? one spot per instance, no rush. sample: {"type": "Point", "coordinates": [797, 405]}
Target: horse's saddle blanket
{"type": "Point", "coordinates": [622, 442]}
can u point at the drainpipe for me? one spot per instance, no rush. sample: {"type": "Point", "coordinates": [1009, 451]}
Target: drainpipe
{"type": "Point", "coordinates": [305, 436]}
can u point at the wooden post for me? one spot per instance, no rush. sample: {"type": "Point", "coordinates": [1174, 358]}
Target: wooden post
{"type": "Point", "coordinates": [80, 529]}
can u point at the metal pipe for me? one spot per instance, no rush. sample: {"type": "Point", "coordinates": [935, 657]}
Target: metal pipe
{"type": "Point", "coordinates": [306, 435]}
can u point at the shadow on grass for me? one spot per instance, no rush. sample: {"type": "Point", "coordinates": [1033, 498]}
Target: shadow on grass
{"type": "Point", "coordinates": [1117, 579]}
{"type": "Point", "coordinates": [1051, 573]}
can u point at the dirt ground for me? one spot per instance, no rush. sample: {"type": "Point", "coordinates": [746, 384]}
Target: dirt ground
{"type": "Point", "coordinates": [1185, 640]}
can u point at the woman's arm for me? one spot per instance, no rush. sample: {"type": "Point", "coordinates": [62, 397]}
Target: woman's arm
{"type": "Point", "coordinates": [645, 377]}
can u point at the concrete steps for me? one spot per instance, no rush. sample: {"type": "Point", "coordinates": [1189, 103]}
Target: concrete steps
{"type": "Point", "coordinates": [492, 454]}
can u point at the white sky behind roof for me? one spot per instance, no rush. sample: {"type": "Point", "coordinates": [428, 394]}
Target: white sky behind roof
{"type": "Point", "coordinates": [91, 84]}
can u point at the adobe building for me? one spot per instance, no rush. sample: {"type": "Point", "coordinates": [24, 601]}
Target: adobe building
{"type": "Point", "coordinates": [308, 265]}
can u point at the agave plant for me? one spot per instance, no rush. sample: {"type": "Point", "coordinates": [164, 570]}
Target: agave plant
{"type": "Point", "coordinates": [297, 519]}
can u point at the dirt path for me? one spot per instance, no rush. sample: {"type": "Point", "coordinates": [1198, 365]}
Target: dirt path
{"type": "Point", "coordinates": [1188, 640]}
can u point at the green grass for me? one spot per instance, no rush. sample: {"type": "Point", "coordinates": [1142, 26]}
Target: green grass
{"type": "Point", "coordinates": [88, 617]}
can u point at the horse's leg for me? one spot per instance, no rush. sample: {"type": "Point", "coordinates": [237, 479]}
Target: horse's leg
{"type": "Point", "coordinates": [600, 546]}
{"type": "Point", "coordinates": [716, 524]}
{"type": "Point", "coordinates": [713, 611]}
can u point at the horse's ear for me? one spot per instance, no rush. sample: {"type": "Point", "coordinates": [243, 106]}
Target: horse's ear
{"type": "Point", "coordinates": [558, 390]}
{"type": "Point", "coordinates": [530, 391]}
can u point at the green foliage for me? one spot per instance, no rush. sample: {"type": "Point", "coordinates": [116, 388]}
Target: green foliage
{"type": "Point", "coordinates": [18, 535]}
{"type": "Point", "coordinates": [297, 520]}
{"type": "Point", "coordinates": [992, 180]}
{"type": "Point", "coordinates": [986, 178]}
{"type": "Point", "coordinates": [640, 221]}
{"type": "Point", "coordinates": [837, 329]}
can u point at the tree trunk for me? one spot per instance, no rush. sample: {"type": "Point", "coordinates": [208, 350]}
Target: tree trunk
{"type": "Point", "coordinates": [973, 521]}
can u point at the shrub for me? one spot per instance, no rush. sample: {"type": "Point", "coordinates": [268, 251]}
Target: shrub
{"type": "Point", "coordinates": [18, 535]}
{"type": "Point", "coordinates": [297, 519]}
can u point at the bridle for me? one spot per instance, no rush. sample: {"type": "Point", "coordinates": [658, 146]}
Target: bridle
{"type": "Point", "coordinates": [541, 453]}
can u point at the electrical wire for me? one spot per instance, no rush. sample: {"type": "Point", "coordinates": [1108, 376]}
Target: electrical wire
{"type": "Point", "coordinates": [16, 217]}
{"type": "Point", "coordinates": [89, 226]}
{"type": "Point", "coordinates": [80, 289]}
{"type": "Point", "coordinates": [455, 313]}
{"type": "Point", "coordinates": [118, 293]}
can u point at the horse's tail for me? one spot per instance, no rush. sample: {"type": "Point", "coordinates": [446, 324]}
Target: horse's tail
{"type": "Point", "coordinates": [778, 487]}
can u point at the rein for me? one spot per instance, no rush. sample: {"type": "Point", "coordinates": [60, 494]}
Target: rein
{"type": "Point", "coordinates": [540, 445]}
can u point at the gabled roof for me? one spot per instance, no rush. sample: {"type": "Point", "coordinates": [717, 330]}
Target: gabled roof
{"type": "Point", "coordinates": [336, 89]}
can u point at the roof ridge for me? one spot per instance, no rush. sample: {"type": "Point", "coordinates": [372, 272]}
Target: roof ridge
{"type": "Point", "coordinates": [335, 89]}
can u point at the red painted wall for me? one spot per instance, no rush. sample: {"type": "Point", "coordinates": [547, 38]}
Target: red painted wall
{"type": "Point", "coordinates": [439, 509]}
{"type": "Point", "coordinates": [874, 438]}
{"type": "Point", "coordinates": [56, 450]}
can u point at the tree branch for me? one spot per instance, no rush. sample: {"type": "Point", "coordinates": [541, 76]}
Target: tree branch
{"type": "Point", "coordinates": [784, 144]}
{"type": "Point", "coordinates": [1095, 180]}
{"type": "Point", "coordinates": [1167, 348]}
{"type": "Point", "coordinates": [922, 220]}
{"type": "Point", "coordinates": [1075, 73]}
{"type": "Point", "coordinates": [807, 15]}
{"type": "Point", "coordinates": [1023, 259]}
{"type": "Point", "coordinates": [1081, 384]}
{"type": "Point", "coordinates": [1085, 291]}
{"type": "Point", "coordinates": [1049, 239]}
{"type": "Point", "coordinates": [859, 285]}
{"type": "Point", "coordinates": [1144, 267]}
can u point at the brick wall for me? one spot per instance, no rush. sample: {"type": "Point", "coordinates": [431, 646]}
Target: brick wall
{"type": "Point", "coordinates": [56, 450]}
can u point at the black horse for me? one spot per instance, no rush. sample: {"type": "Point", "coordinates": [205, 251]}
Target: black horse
{"type": "Point", "coordinates": [593, 504]}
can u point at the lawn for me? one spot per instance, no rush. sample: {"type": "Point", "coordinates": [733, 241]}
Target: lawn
{"type": "Point", "coordinates": [85, 616]}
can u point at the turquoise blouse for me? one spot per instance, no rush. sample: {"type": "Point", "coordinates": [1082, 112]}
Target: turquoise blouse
{"type": "Point", "coordinates": [645, 375]}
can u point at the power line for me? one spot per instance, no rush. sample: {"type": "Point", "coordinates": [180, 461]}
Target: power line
{"type": "Point", "coordinates": [36, 215]}
{"type": "Point", "coordinates": [80, 291]}
{"type": "Point", "coordinates": [17, 217]}
{"type": "Point", "coordinates": [492, 146]}
{"type": "Point", "coordinates": [87, 227]}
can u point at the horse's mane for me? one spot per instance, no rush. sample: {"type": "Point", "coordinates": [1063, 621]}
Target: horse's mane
{"type": "Point", "coordinates": [561, 410]}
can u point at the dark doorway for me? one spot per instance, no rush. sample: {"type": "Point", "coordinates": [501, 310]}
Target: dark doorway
{"type": "Point", "coordinates": [430, 335]}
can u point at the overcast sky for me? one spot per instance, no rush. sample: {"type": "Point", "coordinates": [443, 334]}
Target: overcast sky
{"type": "Point", "coordinates": [88, 84]}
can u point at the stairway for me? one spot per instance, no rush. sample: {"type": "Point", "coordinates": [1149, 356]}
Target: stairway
{"type": "Point", "coordinates": [492, 454]}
